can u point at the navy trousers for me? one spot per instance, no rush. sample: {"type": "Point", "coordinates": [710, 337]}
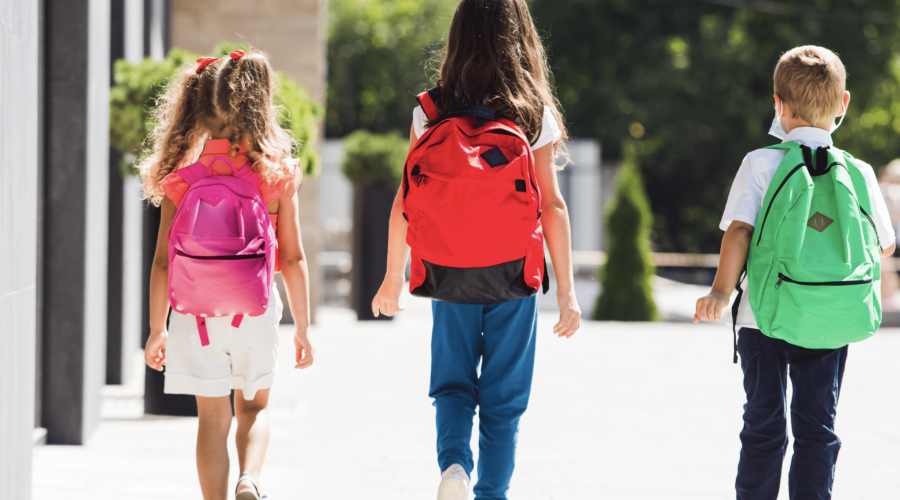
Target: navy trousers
{"type": "Point", "coordinates": [816, 376]}
{"type": "Point", "coordinates": [501, 338]}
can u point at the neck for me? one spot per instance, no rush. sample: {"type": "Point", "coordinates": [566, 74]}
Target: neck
{"type": "Point", "coordinates": [225, 133]}
{"type": "Point", "coordinates": [792, 123]}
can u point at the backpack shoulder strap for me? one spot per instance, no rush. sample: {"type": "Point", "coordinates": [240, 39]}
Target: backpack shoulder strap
{"type": "Point", "coordinates": [198, 171]}
{"type": "Point", "coordinates": [193, 173]}
{"type": "Point", "coordinates": [792, 163]}
{"type": "Point", "coordinates": [427, 100]}
{"type": "Point", "coordinates": [793, 159]}
{"type": "Point", "coordinates": [856, 176]}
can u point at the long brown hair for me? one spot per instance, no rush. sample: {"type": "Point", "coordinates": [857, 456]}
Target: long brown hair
{"type": "Point", "coordinates": [245, 94]}
{"type": "Point", "coordinates": [185, 115]}
{"type": "Point", "coordinates": [494, 55]}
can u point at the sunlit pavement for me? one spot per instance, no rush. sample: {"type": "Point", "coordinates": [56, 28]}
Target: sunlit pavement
{"type": "Point", "coordinates": [619, 411]}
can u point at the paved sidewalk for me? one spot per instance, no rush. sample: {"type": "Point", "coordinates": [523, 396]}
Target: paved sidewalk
{"type": "Point", "coordinates": [625, 411]}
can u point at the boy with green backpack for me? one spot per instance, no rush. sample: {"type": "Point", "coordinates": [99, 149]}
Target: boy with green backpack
{"type": "Point", "coordinates": [808, 224]}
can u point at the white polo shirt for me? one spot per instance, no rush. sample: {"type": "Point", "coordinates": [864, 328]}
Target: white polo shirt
{"type": "Point", "coordinates": [752, 181]}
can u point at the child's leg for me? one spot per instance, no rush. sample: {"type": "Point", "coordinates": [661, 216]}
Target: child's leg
{"type": "Point", "coordinates": [764, 437]}
{"type": "Point", "coordinates": [503, 390]}
{"type": "Point", "coordinates": [816, 377]}
{"type": "Point", "coordinates": [212, 454]}
{"type": "Point", "coordinates": [456, 347]}
{"type": "Point", "coordinates": [252, 437]}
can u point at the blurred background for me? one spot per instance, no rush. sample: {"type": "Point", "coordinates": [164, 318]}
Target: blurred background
{"type": "Point", "coordinates": [662, 100]}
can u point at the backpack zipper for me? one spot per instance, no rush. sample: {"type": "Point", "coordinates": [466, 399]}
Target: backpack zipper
{"type": "Point", "coordinates": [869, 218]}
{"type": "Point", "coordinates": [763, 225]}
{"type": "Point", "coordinates": [782, 277]}
{"type": "Point", "coordinates": [224, 257]}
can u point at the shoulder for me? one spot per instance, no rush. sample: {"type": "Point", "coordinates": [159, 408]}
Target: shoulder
{"type": "Point", "coordinates": [764, 162]}
{"type": "Point", "coordinates": [289, 182]}
{"type": "Point", "coordinates": [420, 121]}
{"type": "Point", "coordinates": [550, 130]}
{"type": "Point", "coordinates": [174, 186]}
{"type": "Point", "coordinates": [864, 167]}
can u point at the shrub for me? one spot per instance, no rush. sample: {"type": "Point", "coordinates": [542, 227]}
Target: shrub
{"type": "Point", "coordinates": [377, 57]}
{"type": "Point", "coordinates": [374, 159]}
{"type": "Point", "coordinates": [627, 292]}
{"type": "Point", "coordinates": [138, 86]}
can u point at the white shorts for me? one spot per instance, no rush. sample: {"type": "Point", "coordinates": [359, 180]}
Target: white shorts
{"type": "Point", "coordinates": [242, 358]}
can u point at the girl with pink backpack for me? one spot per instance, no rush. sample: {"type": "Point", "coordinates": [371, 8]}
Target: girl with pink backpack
{"type": "Point", "coordinates": [221, 170]}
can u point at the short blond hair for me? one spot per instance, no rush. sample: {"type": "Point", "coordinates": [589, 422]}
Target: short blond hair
{"type": "Point", "coordinates": [811, 81]}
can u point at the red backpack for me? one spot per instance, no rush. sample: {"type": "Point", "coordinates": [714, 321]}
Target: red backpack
{"type": "Point", "coordinates": [474, 209]}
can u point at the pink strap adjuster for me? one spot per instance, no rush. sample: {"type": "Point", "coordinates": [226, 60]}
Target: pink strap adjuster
{"type": "Point", "coordinates": [201, 327]}
{"type": "Point", "coordinates": [236, 322]}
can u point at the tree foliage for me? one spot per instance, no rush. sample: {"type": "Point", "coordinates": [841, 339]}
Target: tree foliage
{"type": "Point", "coordinates": [374, 159]}
{"type": "Point", "coordinates": [377, 54]}
{"type": "Point", "coordinates": [138, 86]}
{"type": "Point", "coordinates": [626, 287]}
{"type": "Point", "coordinates": [692, 82]}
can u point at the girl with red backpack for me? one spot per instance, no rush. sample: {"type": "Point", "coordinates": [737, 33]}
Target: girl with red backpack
{"type": "Point", "coordinates": [222, 171]}
{"type": "Point", "coordinates": [478, 196]}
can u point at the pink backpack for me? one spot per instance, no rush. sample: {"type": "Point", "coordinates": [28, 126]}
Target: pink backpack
{"type": "Point", "coordinates": [221, 247]}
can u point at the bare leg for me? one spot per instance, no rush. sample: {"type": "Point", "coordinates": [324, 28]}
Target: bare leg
{"type": "Point", "coordinates": [252, 437]}
{"type": "Point", "coordinates": [212, 453]}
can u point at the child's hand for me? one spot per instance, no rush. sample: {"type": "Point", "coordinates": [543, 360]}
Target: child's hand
{"type": "Point", "coordinates": [387, 300]}
{"type": "Point", "coordinates": [155, 350]}
{"type": "Point", "coordinates": [305, 350]}
{"type": "Point", "coordinates": [569, 315]}
{"type": "Point", "coordinates": [709, 308]}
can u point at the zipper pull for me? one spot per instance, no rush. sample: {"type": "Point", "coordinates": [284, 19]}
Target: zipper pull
{"type": "Point", "coordinates": [780, 280]}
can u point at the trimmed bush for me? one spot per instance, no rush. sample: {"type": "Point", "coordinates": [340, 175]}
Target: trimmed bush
{"type": "Point", "coordinates": [374, 159]}
{"type": "Point", "coordinates": [138, 86]}
{"type": "Point", "coordinates": [626, 278]}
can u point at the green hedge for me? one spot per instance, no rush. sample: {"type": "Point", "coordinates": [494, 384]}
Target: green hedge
{"type": "Point", "coordinates": [374, 159]}
{"type": "Point", "coordinates": [626, 278]}
{"type": "Point", "coordinates": [138, 86]}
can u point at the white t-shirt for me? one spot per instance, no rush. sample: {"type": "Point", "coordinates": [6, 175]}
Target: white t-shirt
{"type": "Point", "coordinates": [752, 181]}
{"type": "Point", "coordinates": [550, 131]}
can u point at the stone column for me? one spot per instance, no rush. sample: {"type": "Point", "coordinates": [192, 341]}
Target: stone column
{"type": "Point", "coordinates": [19, 195]}
{"type": "Point", "coordinates": [292, 33]}
{"type": "Point", "coordinates": [75, 198]}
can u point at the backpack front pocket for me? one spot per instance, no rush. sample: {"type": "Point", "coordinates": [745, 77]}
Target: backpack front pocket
{"type": "Point", "coordinates": [824, 305]}
{"type": "Point", "coordinates": [219, 276]}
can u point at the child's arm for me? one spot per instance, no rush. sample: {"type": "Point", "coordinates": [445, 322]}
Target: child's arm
{"type": "Point", "coordinates": [295, 272]}
{"type": "Point", "coordinates": [733, 256]}
{"type": "Point", "coordinates": [155, 350]}
{"type": "Point", "coordinates": [555, 219]}
{"type": "Point", "coordinates": [387, 300]}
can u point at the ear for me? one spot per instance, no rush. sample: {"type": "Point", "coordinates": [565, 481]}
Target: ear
{"type": "Point", "coordinates": [779, 105]}
{"type": "Point", "coordinates": [845, 101]}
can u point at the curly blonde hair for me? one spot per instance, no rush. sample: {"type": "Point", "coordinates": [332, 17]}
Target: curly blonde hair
{"type": "Point", "coordinates": [229, 93]}
{"type": "Point", "coordinates": [245, 98]}
{"type": "Point", "coordinates": [185, 115]}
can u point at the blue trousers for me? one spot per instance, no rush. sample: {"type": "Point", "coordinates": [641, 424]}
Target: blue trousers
{"type": "Point", "coordinates": [816, 376]}
{"type": "Point", "coordinates": [501, 337]}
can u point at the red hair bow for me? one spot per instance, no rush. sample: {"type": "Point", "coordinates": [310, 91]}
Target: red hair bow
{"type": "Point", "coordinates": [237, 54]}
{"type": "Point", "coordinates": [204, 62]}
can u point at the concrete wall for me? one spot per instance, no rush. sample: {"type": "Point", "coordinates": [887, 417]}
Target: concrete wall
{"type": "Point", "coordinates": [76, 188]}
{"type": "Point", "coordinates": [19, 145]}
{"type": "Point", "coordinates": [125, 207]}
{"type": "Point", "coordinates": [292, 32]}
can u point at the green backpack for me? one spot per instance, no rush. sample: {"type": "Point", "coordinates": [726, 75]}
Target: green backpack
{"type": "Point", "coordinates": [814, 265]}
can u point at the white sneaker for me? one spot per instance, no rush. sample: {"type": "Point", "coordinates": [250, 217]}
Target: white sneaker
{"type": "Point", "coordinates": [454, 484]}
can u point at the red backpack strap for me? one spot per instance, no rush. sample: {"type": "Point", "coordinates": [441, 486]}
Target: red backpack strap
{"type": "Point", "coordinates": [427, 100]}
